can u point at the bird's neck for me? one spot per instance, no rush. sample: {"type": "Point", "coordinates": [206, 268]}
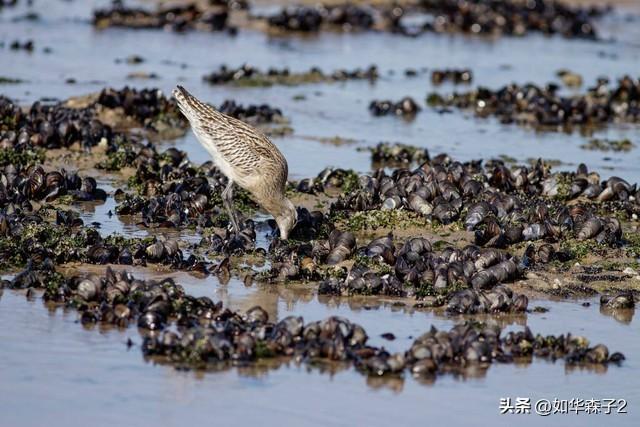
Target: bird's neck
{"type": "Point", "coordinates": [275, 206]}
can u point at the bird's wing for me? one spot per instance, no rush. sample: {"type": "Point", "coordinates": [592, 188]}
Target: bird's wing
{"type": "Point", "coordinates": [241, 145]}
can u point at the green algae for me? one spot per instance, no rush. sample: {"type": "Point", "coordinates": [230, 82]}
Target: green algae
{"type": "Point", "coordinates": [376, 219]}
{"type": "Point", "coordinates": [61, 243]}
{"type": "Point", "coordinates": [26, 157]}
{"type": "Point", "coordinates": [117, 160]}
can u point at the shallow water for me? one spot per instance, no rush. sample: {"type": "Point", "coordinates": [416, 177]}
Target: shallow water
{"type": "Point", "coordinates": [54, 371]}
{"type": "Point", "coordinates": [90, 56]}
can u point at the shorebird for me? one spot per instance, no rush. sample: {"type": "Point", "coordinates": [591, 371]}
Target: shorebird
{"type": "Point", "coordinates": [245, 156]}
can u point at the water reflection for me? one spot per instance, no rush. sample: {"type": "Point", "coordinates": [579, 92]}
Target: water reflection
{"type": "Point", "coordinates": [622, 315]}
{"type": "Point", "coordinates": [375, 314]}
{"type": "Point", "coordinates": [589, 368]}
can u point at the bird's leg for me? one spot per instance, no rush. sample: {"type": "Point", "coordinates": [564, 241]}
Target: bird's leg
{"type": "Point", "coordinates": [227, 201]}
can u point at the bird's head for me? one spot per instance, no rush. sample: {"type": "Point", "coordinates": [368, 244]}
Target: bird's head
{"type": "Point", "coordinates": [287, 219]}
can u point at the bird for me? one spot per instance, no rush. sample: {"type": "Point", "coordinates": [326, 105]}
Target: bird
{"type": "Point", "coordinates": [245, 156]}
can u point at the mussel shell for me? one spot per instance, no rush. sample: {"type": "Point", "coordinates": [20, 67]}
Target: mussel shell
{"type": "Point", "coordinates": [155, 251]}
{"type": "Point", "coordinates": [620, 301]}
{"type": "Point", "coordinates": [589, 228]}
{"type": "Point", "coordinates": [88, 289]}
{"type": "Point", "coordinates": [36, 182]}
{"type": "Point", "coordinates": [445, 212]}
{"type": "Point", "coordinates": [151, 320]}
{"type": "Point", "coordinates": [420, 205]}
{"type": "Point", "coordinates": [257, 314]}
{"type": "Point", "coordinates": [102, 254]}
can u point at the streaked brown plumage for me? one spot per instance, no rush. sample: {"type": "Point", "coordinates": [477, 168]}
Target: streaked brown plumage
{"type": "Point", "coordinates": [245, 156]}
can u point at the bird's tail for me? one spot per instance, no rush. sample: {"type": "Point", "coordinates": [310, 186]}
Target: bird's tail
{"type": "Point", "coordinates": [181, 94]}
{"type": "Point", "coordinates": [186, 101]}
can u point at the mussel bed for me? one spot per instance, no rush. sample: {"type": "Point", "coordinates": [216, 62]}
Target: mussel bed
{"type": "Point", "coordinates": [543, 107]}
{"type": "Point", "coordinates": [190, 332]}
{"type": "Point", "coordinates": [248, 76]}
